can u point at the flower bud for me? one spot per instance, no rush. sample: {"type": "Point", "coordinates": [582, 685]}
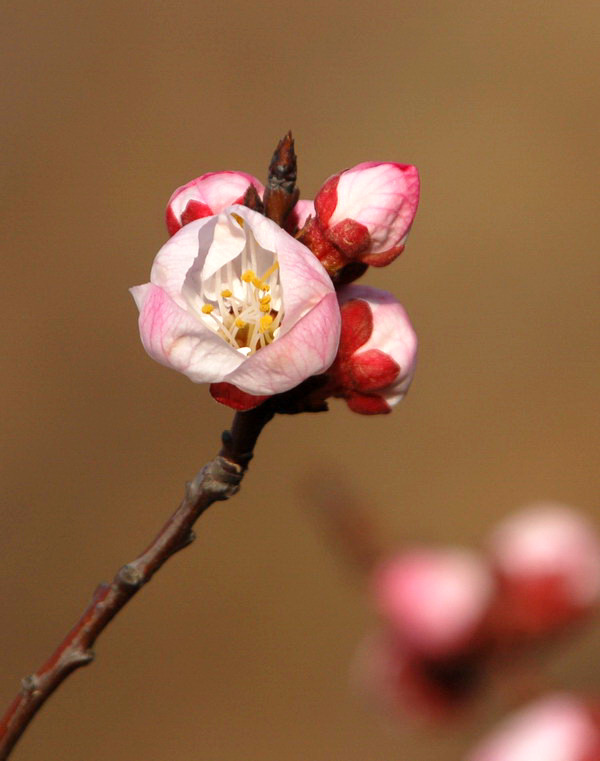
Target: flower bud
{"type": "Point", "coordinates": [435, 600]}
{"type": "Point", "coordinates": [207, 195]}
{"type": "Point", "coordinates": [408, 684]}
{"type": "Point", "coordinates": [547, 558]}
{"type": "Point", "coordinates": [377, 352]}
{"type": "Point", "coordinates": [364, 214]}
{"type": "Point", "coordinates": [559, 727]}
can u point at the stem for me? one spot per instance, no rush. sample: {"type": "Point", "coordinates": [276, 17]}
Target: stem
{"type": "Point", "coordinates": [219, 479]}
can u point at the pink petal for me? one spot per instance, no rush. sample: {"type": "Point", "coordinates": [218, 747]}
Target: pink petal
{"type": "Point", "coordinates": [381, 196]}
{"type": "Point", "coordinates": [213, 191]}
{"type": "Point", "coordinates": [308, 348]}
{"type": "Point", "coordinates": [434, 599]}
{"type": "Point", "coordinates": [177, 339]}
{"type": "Point", "coordinates": [175, 258]}
{"type": "Point", "coordinates": [303, 278]}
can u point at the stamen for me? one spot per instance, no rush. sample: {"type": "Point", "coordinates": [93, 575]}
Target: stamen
{"type": "Point", "coordinates": [248, 276]}
{"type": "Point", "coordinates": [207, 308]}
{"type": "Point", "coordinates": [240, 323]}
{"type": "Point", "coordinates": [265, 322]}
{"type": "Point", "coordinates": [271, 270]}
{"type": "Point", "coordinates": [226, 293]}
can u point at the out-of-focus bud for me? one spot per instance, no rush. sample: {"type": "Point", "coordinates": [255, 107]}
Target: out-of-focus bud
{"type": "Point", "coordinates": [435, 600]}
{"type": "Point", "coordinates": [560, 727]}
{"type": "Point", "coordinates": [377, 351]}
{"type": "Point", "coordinates": [363, 215]}
{"type": "Point", "coordinates": [547, 558]}
{"type": "Point", "coordinates": [408, 685]}
{"type": "Point", "coordinates": [207, 195]}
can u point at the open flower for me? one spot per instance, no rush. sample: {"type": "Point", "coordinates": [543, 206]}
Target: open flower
{"type": "Point", "coordinates": [377, 354]}
{"type": "Point", "coordinates": [207, 195]}
{"type": "Point", "coordinates": [234, 299]}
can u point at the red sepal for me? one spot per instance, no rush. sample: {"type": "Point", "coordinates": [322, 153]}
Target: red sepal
{"type": "Point", "coordinates": [357, 326]}
{"type": "Point", "coordinates": [367, 404]}
{"type": "Point", "coordinates": [372, 370]}
{"type": "Point", "coordinates": [193, 210]}
{"type": "Point", "coordinates": [326, 199]}
{"type": "Point", "coordinates": [350, 237]}
{"type": "Point", "coordinates": [382, 259]}
{"type": "Point", "coordinates": [231, 396]}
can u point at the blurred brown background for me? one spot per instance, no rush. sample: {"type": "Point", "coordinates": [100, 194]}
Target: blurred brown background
{"type": "Point", "coordinates": [240, 648]}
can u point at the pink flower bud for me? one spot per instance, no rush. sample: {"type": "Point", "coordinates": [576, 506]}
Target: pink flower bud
{"type": "Point", "coordinates": [377, 353]}
{"type": "Point", "coordinates": [298, 215]}
{"type": "Point", "coordinates": [548, 560]}
{"type": "Point", "coordinates": [367, 211]}
{"type": "Point", "coordinates": [234, 299]}
{"type": "Point", "coordinates": [560, 727]}
{"type": "Point", "coordinates": [436, 601]}
{"type": "Point", "coordinates": [207, 195]}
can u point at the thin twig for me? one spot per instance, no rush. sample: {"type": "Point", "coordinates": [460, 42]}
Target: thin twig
{"type": "Point", "coordinates": [218, 480]}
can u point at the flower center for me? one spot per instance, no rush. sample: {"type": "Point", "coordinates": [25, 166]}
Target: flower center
{"type": "Point", "coordinates": [243, 308]}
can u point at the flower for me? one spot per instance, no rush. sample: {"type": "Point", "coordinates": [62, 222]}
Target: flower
{"type": "Point", "coordinates": [377, 353]}
{"type": "Point", "coordinates": [547, 558]}
{"type": "Point", "coordinates": [436, 601]}
{"type": "Point", "coordinates": [363, 214]}
{"type": "Point", "coordinates": [559, 727]}
{"type": "Point", "coordinates": [234, 299]}
{"type": "Point", "coordinates": [207, 195]}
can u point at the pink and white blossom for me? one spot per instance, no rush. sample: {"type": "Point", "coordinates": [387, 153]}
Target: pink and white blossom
{"type": "Point", "coordinates": [234, 299]}
{"type": "Point", "coordinates": [207, 195]}
{"type": "Point", "coordinates": [547, 557]}
{"type": "Point", "coordinates": [435, 600]}
{"type": "Point", "coordinates": [560, 727]}
{"type": "Point", "coordinates": [377, 354]}
{"type": "Point", "coordinates": [367, 211]}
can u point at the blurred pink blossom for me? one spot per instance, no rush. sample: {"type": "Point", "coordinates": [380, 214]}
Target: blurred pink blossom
{"type": "Point", "coordinates": [435, 600]}
{"type": "Point", "coordinates": [560, 727]}
{"type": "Point", "coordinates": [547, 557]}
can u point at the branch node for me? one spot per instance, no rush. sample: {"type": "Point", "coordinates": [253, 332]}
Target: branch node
{"type": "Point", "coordinates": [220, 479]}
{"type": "Point", "coordinates": [129, 576]}
{"type": "Point", "coordinates": [80, 657]}
{"type": "Point", "coordinates": [30, 684]}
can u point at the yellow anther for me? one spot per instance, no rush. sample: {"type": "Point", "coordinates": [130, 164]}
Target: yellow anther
{"type": "Point", "coordinates": [207, 308]}
{"type": "Point", "coordinates": [248, 276]}
{"type": "Point", "coordinates": [265, 307]}
{"type": "Point", "coordinates": [238, 219]}
{"type": "Point", "coordinates": [226, 293]}
{"type": "Point", "coordinates": [239, 323]}
{"type": "Point", "coordinates": [265, 322]}
{"type": "Point", "coordinates": [265, 287]}
{"type": "Point", "coordinates": [257, 283]}
{"type": "Point", "coordinates": [265, 299]}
